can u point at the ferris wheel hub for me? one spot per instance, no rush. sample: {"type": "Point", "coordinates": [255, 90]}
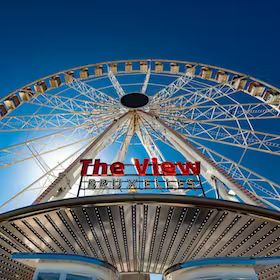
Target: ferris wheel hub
{"type": "Point", "coordinates": [134, 100]}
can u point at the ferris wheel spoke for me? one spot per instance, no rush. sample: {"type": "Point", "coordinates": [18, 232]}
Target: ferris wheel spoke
{"type": "Point", "coordinates": [53, 121]}
{"type": "Point", "coordinates": [171, 89]}
{"type": "Point", "coordinates": [231, 114]}
{"type": "Point", "coordinates": [47, 177]}
{"type": "Point", "coordinates": [147, 141]}
{"type": "Point", "coordinates": [67, 104]}
{"type": "Point", "coordinates": [244, 138]}
{"type": "Point", "coordinates": [146, 81]}
{"type": "Point", "coordinates": [265, 188]}
{"type": "Point", "coordinates": [209, 113]}
{"type": "Point", "coordinates": [49, 143]}
{"type": "Point", "coordinates": [197, 97]}
{"type": "Point", "coordinates": [57, 149]}
{"type": "Point", "coordinates": [214, 93]}
{"type": "Point", "coordinates": [254, 140]}
{"type": "Point", "coordinates": [20, 152]}
{"type": "Point", "coordinates": [125, 144]}
{"type": "Point", "coordinates": [91, 92]}
{"type": "Point", "coordinates": [42, 122]}
{"type": "Point", "coordinates": [108, 135]}
{"type": "Point", "coordinates": [115, 83]}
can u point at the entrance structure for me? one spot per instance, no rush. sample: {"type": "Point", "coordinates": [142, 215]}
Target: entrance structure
{"type": "Point", "coordinates": [169, 111]}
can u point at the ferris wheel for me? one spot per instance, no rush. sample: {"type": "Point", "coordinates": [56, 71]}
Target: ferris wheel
{"type": "Point", "coordinates": [165, 109]}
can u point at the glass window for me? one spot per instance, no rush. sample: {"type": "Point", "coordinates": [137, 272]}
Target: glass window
{"type": "Point", "coordinates": [77, 277]}
{"type": "Point", "coordinates": [48, 276]}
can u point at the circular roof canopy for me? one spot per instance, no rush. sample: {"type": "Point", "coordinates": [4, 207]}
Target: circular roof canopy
{"type": "Point", "coordinates": [136, 232]}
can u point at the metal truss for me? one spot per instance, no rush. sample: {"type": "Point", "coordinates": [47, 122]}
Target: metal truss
{"type": "Point", "coordinates": [49, 184]}
{"type": "Point", "coordinates": [52, 121]}
{"type": "Point", "coordinates": [244, 138]}
{"type": "Point", "coordinates": [146, 81]}
{"type": "Point", "coordinates": [209, 113]}
{"type": "Point", "coordinates": [194, 96]}
{"type": "Point", "coordinates": [210, 170]}
{"type": "Point", "coordinates": [60, 187]}
{"type": "Point", "coordinates": [44, 145]}
{"type": "Point", "coordinates": [147, 141]}
{"type": "Point", "coordinates": [91, 93]}
{"type": "Point", "coordinates": [43, 121]}
{"type": "Point", "coordinates": [153, 151]}
{"type": "Point", "coordinates": [40, 184]}
{"type": "Point", "coordinates": [128, 136]}
{"type": "Point", "coordinates": [115, 83]}
{"type": "Point", "coordinates": [171, 89]}
{"type": "Point", "coordinates": [68, 104]}
{"type": "Point", "coordinates": [264, 189]}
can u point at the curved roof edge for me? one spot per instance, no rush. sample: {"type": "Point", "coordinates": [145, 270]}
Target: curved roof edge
{"type": "Point", "coordinates": [142, 198]}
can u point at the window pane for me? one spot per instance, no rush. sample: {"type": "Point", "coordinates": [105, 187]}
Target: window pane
{"type": "Point", "coordinates": [48, 276]}
{"type": "Point", "coordinates": [77, 277]}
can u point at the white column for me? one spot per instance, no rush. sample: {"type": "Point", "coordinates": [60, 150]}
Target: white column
{"type": "Point", "coordinates": [62, 185]}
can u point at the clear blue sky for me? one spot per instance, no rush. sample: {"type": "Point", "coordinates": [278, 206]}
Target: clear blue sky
{"type": "Point", "coordinates": [42, 37]}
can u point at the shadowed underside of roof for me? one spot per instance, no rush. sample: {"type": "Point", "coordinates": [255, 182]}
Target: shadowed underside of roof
{"type": "Point", "coordinates": [146, 233]}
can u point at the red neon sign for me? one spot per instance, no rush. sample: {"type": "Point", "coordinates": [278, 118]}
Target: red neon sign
{"type": "Point", "coordinates": [166, 168]}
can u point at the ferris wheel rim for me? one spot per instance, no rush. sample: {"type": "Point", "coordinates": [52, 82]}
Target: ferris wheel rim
{"type": "Point", "coordinates": [211, 66]}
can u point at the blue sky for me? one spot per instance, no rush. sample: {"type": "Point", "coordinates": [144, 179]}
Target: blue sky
{"type": "Point", "coordinates": [42, 37]}
{"type": "Point", "coordinates": [38, 39]}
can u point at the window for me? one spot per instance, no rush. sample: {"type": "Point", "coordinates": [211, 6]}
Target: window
{"type": "Point", "coordinates": [77, 277]}
{"type": "Point", "coordinates": [48, 276]}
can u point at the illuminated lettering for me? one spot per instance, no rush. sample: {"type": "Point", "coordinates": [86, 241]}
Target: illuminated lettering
{"type": "Point", "coordinates": [166, 168]}
{"type": "Point", "coordinates": [141, 169]}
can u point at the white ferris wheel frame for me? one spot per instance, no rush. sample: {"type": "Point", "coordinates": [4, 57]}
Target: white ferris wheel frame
{"type": "Point", "coordinates": [174, 117]}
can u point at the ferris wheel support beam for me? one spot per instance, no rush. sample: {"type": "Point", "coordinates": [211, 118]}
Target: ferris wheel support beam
{"type": "Point", "coordinates": [209, 169]}
{"type": "Point", "coordinates": [245, 176]}
{"type": "Point", "coordinates": [153, 151]}
{"type": "Point", "coordinates": [147, 141]}
{"type": "Point", "coordinates": [125, 144]}
{"type": "Point", "coordinates": [62, 185]}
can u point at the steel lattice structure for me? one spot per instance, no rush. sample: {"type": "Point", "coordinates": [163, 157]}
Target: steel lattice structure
{"type": "Point", "coordinates": [199, 103]}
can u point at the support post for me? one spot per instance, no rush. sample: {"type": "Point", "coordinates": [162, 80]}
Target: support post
{"type": "Point", "coordinates": [61, 186]}
{"type": "Point", "coordinates": [208, 167]}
